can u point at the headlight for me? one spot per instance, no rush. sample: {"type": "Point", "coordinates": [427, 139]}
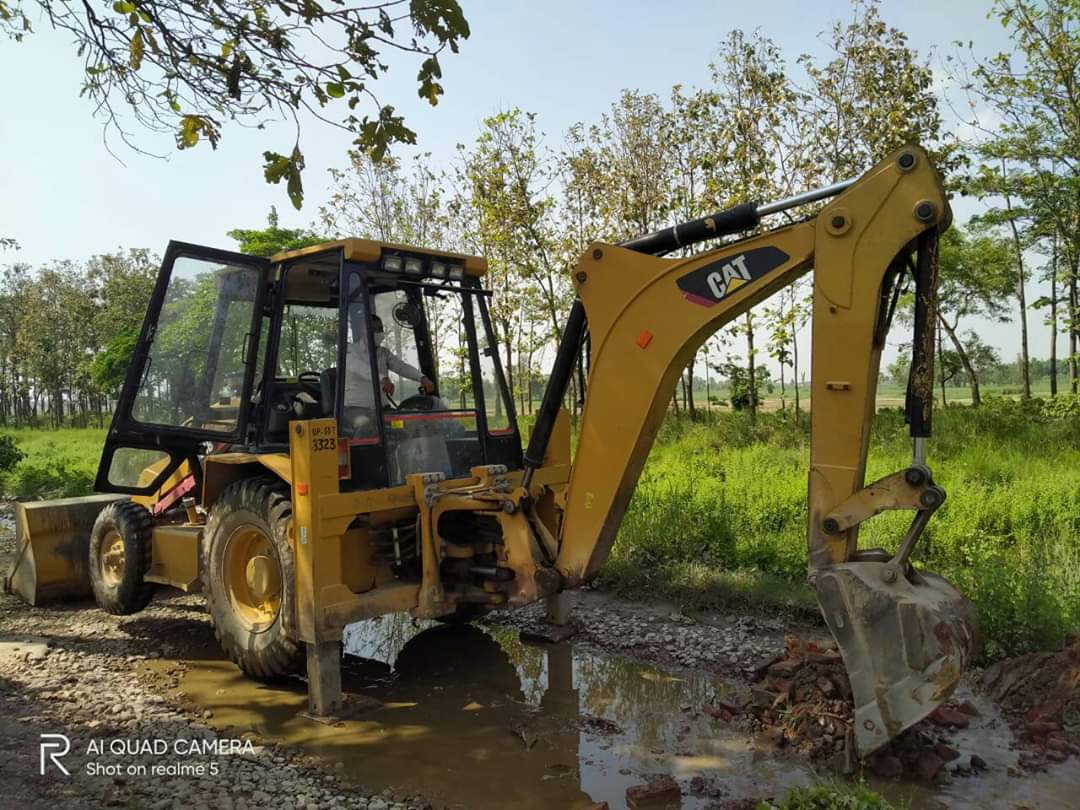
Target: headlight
{"type": "Point", "coordinates": [456, 272]}
{"type": "Point", "coordinates": [392, 263]}
{"type": "Point", "coordinates": [438, 270]}
{"type": "Point", "coordinates": [414, 267]}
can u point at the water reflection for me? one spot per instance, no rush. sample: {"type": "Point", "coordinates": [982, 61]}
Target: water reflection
{"type": "Point", "coordinates": [475, 718]}
{"type": "Point", "coordinates": [595, 724]}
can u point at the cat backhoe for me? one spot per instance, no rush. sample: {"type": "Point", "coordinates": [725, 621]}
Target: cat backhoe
{"type": "Point", "coordinates": [258, 452]}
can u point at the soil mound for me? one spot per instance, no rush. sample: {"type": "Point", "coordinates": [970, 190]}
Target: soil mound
{"type": "Point", "coordinates": [1040, 695]}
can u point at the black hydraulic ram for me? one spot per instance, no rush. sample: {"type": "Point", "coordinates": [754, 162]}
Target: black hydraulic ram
{"type": "Point", "coordinates": [723, 223]}
{"type": "Point", "coordinates": [741, 218]}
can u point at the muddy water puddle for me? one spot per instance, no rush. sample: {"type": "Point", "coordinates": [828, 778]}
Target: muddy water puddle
{"type": "Point", "coordinates": [475, 718]}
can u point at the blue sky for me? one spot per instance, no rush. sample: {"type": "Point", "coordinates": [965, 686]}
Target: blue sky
{"type": "Point", "coordinates": [65, 196]}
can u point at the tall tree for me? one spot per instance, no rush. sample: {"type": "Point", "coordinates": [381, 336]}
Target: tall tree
{"type": "Point", "coordinates": [1034, 93]}
{"type": "Point", "coordinates": [977, 275]}
{"type": "Point", "coordinates": [872, 96]}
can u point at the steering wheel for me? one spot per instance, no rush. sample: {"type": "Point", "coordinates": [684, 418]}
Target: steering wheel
{"type": "Point", "coordinates": [419, 402]}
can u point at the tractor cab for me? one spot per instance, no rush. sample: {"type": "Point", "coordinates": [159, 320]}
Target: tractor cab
{"type": "Point", "coordinates": [394, 343]}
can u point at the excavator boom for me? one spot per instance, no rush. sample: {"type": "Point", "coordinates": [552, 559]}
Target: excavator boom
{"type": "Point", "coordinates": [905, 635]}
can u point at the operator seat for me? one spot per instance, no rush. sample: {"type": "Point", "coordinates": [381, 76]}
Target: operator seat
{"type": "Point", "coordinates": [328, 390]}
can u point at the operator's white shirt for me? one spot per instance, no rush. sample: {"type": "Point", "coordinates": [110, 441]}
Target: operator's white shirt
{"type": "Point", "coordinates": [359, 391]}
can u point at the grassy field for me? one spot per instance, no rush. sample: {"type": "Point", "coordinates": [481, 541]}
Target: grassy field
{"type": "Point", "coordinates": [719, 514]}
{"type": "Point", "coordinates": [56, 463]}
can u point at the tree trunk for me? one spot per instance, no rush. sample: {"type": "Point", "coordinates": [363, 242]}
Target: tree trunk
{"type": "Point", "coordinates": [750, 372]}
{"type": "Point", "coordinates": [795, 367]}
{"type": "Point", "coordinates": [1073, 304]}
{"type": "Point", "coordinates": [1021, 298]}
{"type": "Point", "coordinates": [708, 390]}
{"type": "Point", "coordinates": [941, 363]}
{"type": "Point", "coordinates": [783, 390]}
{"type": "Point", "coordinates": [691, 409]}
{"type": "Point", "coordinates": [965, 361]}
{"type": "Point", "coordinates": [1053, 316]}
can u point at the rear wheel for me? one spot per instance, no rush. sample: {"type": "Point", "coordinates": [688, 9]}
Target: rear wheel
{"type": "Point", "coordinates": [120, 556]}
{"type": "Point", "coordinates": [464, 613]}
{"type": "Point", "coordinates": [247, 573]}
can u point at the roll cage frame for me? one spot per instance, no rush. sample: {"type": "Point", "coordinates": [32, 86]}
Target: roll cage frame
{"type": "Point", "coordinates": [251, 430]}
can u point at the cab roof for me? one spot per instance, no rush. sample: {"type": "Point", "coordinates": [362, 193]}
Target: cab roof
{"type": "Point", "coordinates": [368, 250]}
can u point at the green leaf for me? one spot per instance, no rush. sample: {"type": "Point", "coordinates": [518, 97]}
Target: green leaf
{"type": "Point", "coordinates": [335, 90]}
{"type": "Point", "coordinates": [277, 167]}
{"type": "Point", "coordinates": [190, 125]}
{"type": "Point", "coordinates": [137, 49]}
{"type": "Point", "coordinates": [121, 7]}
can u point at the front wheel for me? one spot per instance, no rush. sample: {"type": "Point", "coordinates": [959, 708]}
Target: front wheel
{"type": "Point", "coordinates": [247, 572]}
{"type": "Point", "coordinates": [121, 544]}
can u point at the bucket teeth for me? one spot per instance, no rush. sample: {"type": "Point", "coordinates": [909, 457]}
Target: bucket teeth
{"type": "Point", "coordinates": [905, 644]}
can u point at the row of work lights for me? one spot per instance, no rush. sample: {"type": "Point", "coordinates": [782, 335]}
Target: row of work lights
{"type": "Point", "coordinates": [413, 266]}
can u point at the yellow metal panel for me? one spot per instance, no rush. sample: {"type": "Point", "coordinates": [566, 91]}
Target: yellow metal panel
{"type": "Point", "coordinates": [152, 471]}
{"type": "Point", "coordinates": [849, 268]}
{"type": "Point", "coordinates": [176, 556]}
{"type": "Point", "coordinates": [633, 299]}
{"type": "Point", "coordinates": [313, 453]}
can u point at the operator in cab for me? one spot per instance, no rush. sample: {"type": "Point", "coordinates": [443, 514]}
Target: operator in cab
{"type": "Point", "coordinates": [359, 393]}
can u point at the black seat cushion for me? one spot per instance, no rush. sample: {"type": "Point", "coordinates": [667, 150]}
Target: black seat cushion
{"type": "Point", "coordinates": [328, 390]}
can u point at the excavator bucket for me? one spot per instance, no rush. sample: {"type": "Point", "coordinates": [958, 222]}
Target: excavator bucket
{"type": "Point", "coordinates": [904, 643]}
{"type": "Point", "coordinates": [51, 548]}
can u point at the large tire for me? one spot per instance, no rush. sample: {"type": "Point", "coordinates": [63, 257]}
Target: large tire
{"type": "Point", "coordinates": [120, 555]}
{"type": "Point", "coordinates": [465, 613]}
{"type": "Point", "coordinates": [248, 577]}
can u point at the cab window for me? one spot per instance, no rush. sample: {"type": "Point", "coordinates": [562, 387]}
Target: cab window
{"type": "Point", "coordinates": [195, 369]}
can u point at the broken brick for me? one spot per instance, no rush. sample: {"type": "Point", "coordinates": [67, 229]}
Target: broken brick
{"type": "Point", "coordinates": [947, 754]}
{"type": "Point", "coordinates": [660, 789]}
{"type": "Point", "coordinates": [944, 716]}
{"type": "Point", "coordinates": [887, 766]}
{"type": "Point", "coordinates": [928, 765]}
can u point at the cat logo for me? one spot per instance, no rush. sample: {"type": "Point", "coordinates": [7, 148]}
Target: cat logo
{"type": "Point", "coordinates": [727, 278]}
{"type": "Point", "coordinates": [708, 285]}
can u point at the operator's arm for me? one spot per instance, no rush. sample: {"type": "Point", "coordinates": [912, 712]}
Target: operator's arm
{"type": "Point", "coordinates": [401, 368]}
{"type": "Point", "coordinates": [388, 362]}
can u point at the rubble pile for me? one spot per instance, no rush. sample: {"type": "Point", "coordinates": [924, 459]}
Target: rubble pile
{"type": "Point", "coordinates": [1040, 695]}
{"type": "Point", "coordinates": [802, 702]}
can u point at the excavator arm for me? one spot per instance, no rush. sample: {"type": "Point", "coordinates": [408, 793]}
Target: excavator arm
{"type": "Point", "coordinates": [905, 635]}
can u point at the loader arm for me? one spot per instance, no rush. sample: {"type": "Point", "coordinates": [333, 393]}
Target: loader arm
{"type": "Point", "coordinates": [647, 316]}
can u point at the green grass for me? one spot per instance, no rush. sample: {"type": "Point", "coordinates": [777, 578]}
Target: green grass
{"type": "Point", "coordinates": [56, 463]}
{"type": "Point", "coordinates": [720, 515]}
{"type": "Point", "coordinates": [830, 796]}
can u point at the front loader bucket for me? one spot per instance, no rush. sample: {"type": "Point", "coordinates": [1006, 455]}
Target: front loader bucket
{"type": "Point", "coordinates": [905, 644]}
{"type": "Point", "coordinates": [51, 547]}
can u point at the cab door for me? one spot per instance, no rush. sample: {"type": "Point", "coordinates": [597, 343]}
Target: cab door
{"type": "Point", "coordinates": [192, 371]}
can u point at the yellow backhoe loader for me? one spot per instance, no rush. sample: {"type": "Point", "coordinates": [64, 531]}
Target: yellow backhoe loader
{"type": "Point", "coordinates": [258, 452]}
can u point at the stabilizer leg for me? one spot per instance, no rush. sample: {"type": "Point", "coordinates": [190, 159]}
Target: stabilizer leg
{"type": "Point", "coordinates": [324, 678]}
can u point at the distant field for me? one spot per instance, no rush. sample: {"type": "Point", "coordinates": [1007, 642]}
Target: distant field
{"type": "Point", "coordinates": [57, 463]}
